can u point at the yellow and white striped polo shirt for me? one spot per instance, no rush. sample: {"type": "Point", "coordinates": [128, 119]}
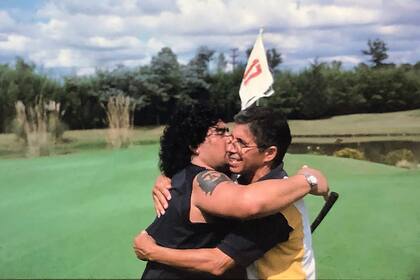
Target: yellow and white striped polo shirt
{"type": "Point", "coordinates": [293, 259]}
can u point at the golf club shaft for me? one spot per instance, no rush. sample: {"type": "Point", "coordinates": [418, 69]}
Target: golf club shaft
{"type": "Point", "coordinates": [332, 198]}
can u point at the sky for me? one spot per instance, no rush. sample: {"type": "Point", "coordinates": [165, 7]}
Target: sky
{"type": "Point", "coordinates": [79, 36]}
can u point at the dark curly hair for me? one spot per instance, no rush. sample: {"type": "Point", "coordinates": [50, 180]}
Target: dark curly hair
{"type": "Point", "coordinates": [269, 127]}
{"type": "Point", "coordinates": [186, 129]}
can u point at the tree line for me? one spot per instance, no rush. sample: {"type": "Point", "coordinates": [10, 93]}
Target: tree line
{"type": "Point", "coordinates": [318, 91]}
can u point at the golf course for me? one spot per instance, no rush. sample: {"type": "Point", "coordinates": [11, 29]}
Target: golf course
{"type": "Point", "coordinates": [99, 99]}
{"type": "Point", "coordinates": [74, 215]}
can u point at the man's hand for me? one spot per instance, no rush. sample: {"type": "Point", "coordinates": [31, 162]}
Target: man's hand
{"type": "Point", "coordinates": [322, 188]}
{"type": "Point", "coordinates": [143, 246]}
{"type": "Point", "coordinates": [161, 194]}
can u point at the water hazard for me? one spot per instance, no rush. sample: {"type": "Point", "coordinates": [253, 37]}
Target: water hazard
{"type": "Point", "coordinates": [373, 150]}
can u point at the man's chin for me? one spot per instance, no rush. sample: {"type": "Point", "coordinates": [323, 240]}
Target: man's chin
{"type": "Point", "coordinates": [235, 168]}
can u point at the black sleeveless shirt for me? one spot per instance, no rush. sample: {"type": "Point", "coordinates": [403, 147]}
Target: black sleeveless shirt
{"type": "Point", "coordinates": [175, 230]}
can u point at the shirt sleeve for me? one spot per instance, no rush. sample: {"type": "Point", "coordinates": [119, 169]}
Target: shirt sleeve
{"type": "Point", "coordinates": [152, 229]}
{"type": "Point", "coordinates": [251, 239]}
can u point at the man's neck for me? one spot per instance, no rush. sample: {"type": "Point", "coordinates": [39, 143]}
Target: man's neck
{"type": "Point", "coordinates": [222, 168]}
{"type": "Point", "coordinates": [199, 162]}
{"type": "Point", "coordinates": [260, 172]}
{"type": "Point", "coordinates": [248, 178]}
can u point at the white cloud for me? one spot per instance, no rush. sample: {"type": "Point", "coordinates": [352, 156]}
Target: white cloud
{"type": "Point", "coordinates": [346, 59]}
{"type": "Point", "coordinates": [84, 71]}
{"type": "Point", "coordinates": [14, 43]}
{"type": "Point", "coordinates": [114, 43]}
{"type": "Point", "coordinates": [61, 58]}
{"type": "Point", "coordinates": [154, 45]}
{"type": "Point", "coordinates": [54, 29]}
{"type": "Point", "coordinates": [102, 33]}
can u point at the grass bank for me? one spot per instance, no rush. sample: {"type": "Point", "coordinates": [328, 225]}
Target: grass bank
{"type": "Point", "coordinates": [397, 126]}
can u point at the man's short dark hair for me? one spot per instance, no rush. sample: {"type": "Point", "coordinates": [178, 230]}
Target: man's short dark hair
{"type": "Point", "coordinates": [269, 127]}
{"type": "Point", "coordinates": [185, 131]}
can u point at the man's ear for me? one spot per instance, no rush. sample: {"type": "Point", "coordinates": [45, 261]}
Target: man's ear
{"type": "Point", "coordinates": [195, 151]}
{"type": "Point", "coordinates": [270, 153]}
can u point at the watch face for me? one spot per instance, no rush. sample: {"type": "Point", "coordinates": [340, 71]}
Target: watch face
{"type": "Point", "coordinates": [312, 180]}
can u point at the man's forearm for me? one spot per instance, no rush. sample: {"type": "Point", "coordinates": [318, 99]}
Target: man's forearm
{"type": "Point", "coordinates": [210, 260]}
{"type": "Point", "coordinates": [255, 200]}
{"type": "Point", "coordinates": [272, 197]}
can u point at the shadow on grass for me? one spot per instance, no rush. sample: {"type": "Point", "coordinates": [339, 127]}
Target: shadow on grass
{"type": "Point", "coordinates": [7, 154]}
{"type": "Point", "coordinates": [145, 142]}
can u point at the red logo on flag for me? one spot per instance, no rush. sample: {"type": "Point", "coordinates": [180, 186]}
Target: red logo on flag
{"type": "Point", "coordinates": [253, 71]}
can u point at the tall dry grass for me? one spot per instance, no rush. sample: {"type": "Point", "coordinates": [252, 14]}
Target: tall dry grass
{"type": "Point", "coordinates": [55, 126]}
{"type": "Point", "coordinates": [32, 127]}
{"type": "Point", "coordinates": [38, 126]}
{"type": "Point", "coordinates": [119, 112]}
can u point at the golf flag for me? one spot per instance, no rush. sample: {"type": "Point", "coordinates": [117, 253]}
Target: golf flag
{"type": "Point", "coordinates": [257, 81]}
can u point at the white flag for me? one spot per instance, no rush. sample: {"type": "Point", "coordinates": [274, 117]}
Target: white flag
{"type": "Point", "coordinates": [257, 81]}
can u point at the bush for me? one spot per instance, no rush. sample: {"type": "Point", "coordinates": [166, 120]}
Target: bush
{"type": "Point", "coordinates": [315, 150]}
{"type": "Point", "coordinates": [349, 153]}
{"type": "Point", "coordinates": [405, 164]}
{"type": "Point", "coordinates": [396, 156]}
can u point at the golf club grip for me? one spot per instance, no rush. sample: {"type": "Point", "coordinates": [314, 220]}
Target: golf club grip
{"type": "Point", "coordinates": [332, 198]}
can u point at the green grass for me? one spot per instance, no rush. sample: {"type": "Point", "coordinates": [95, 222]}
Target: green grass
{"type": "Point", "coordinates": [74, 216]}
{"type": "Point", "coordinates": [373, 230]}
{"type": "Point", "coordinates": [396, 122]}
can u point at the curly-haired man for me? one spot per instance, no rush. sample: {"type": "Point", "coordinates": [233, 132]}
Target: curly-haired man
{"type": "Point", "coordinates": [193, 152]}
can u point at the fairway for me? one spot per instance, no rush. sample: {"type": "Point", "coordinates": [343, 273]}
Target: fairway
{"type": "Point", "coordinates": [74, 216]}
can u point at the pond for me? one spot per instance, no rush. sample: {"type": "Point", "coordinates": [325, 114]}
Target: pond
{"type": "Point", "coordinates": [373, 150]}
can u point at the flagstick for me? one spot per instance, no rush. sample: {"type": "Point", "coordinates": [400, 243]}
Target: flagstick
{"type": "Point", "coordinates": [261, 32]}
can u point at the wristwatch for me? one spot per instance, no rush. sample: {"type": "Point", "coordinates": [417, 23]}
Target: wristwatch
{"type": "Point", "coordinates": [311, 179]}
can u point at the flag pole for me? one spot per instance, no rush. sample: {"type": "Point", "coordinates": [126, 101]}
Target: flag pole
{"type": "Point", "coordinates": [261, 32]}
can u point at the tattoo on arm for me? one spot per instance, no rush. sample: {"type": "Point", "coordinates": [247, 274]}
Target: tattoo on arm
{"type": "Point", "coordinates": [208, 180]}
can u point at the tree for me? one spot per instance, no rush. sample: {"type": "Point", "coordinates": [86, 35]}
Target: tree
{"type": "Point", "coordinates": [341, 94]}
{"type": "Point", "coordinates": [312, 85]}
{"type": "Point", "coordinates": [274, 58]}
{"type": "Point", "coordinates": [82, 105]}
{"type": "Point", "coordinates": [201, 60]}
{"type": "Point", "coordinates": [377, 50]}
{"type": "Point", "coordinates": [21, 82]}
{"type": "Point", "coordinates": [163, 82]}
{"type": "Point", "coordinates": [287, 98]}
{"type": "Point", "coordinates": [196, 76]}
{"type": "Point", "coordinates": [221, 63]}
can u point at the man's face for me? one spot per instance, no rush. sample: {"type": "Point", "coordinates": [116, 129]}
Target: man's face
{"type": "Point", "coordinates": [243, 153]}
{"type": "Point", "coordinates": [213, 150]}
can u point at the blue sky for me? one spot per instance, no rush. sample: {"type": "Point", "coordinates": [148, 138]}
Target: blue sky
{"type": "Point", "coordinates": [21, 9]}
{"type": "Point", "coordinates": [82, 35]}
{"type": "Point", "coordinates": [19, 4]}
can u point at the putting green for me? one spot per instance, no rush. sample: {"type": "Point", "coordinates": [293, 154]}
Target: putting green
{"type": "Point", "coordinates": [74, 216]}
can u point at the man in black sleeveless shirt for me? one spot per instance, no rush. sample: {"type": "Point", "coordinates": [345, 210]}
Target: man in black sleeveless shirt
{"type": "Point", "coordinates": [201, 195]}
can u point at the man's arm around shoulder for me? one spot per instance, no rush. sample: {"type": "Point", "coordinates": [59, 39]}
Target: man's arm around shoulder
{"type": "Point", "coordinates": [215, 193]}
